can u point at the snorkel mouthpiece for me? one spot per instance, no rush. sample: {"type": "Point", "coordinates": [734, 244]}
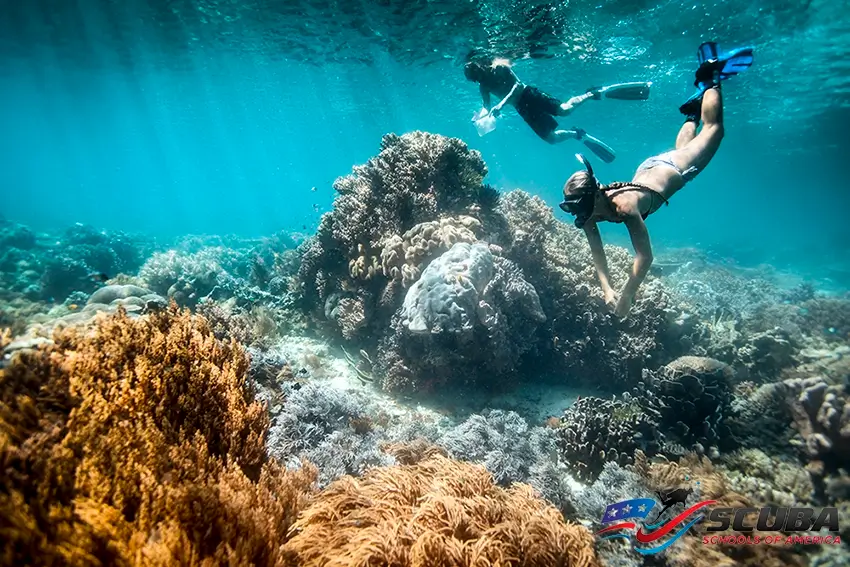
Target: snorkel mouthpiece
{"type": "Point", "coordinates": [581, 204]}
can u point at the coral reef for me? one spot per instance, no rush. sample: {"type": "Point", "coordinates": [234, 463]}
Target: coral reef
{"type": "Point", "coordinates": [594, 432]}
{"type": "Point", "coordinates": [319, 424]}
{"type": "Point", "coordinates": [583, 339]}
{"type": "Point", "coordinates": [139, 443]}
{"type": "Point", "coordinates": [436, 512]}
{"type": "Point", "coordinates": [713, 485]}
{"type": "Point", "coordinates": [50, 268]}
{"type": "Point", "coordinates": [822, 418]}
{"type": "Point", "coordinates": [420, 261]}
{"type": "Point", "coordinates": [691, 397]}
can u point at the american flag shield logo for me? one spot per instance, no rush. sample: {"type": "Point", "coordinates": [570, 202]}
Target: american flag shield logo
{"type": "Point", "coordinates": [634, 508]}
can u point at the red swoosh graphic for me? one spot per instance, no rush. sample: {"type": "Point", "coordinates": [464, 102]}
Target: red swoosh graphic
{"type": "Point", "coordinates": [644, 537]}
{"type": "Point", "coordinates": [616, 527]}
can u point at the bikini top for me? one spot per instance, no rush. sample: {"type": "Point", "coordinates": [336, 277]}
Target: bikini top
{"type": "Point", "coordinates": [618, 187]}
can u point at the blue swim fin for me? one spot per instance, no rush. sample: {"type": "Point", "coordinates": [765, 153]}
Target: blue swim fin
{"type": "Point", "coordinates": [736, 61]}
{"type": "Point", "coordinates": [707, 52]}
{"type": "Point", "coordinates": [716, 66]}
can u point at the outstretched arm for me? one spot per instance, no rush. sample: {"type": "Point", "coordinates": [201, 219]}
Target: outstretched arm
{"type": "Point", "coordinates": [496, 109]}
{"type": "Point", "coordinates": [600, 261]}
{"type": "Point", "coordinates": [643, 260]}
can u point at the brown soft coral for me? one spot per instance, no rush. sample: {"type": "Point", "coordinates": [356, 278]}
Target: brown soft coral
{"type": "Point", "coordinates": [438, 512]}
{"type": "Point", "coordinates": [139, 443]}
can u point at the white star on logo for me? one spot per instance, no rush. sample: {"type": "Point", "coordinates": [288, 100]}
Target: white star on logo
{"type": "Point", "coordinates": [642, 508]}
{"type": "Point", "coordinates": [627, 509]}
{"type": "Point", "coordinates": [613, 512]}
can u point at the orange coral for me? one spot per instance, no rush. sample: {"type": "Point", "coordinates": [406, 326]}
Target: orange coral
{"type": "Point", "coordinates": [413, 451]}
{"type": "Point", "coordinates": [437, 512]}
{"type": "Point", "coordinates": [139, 443]}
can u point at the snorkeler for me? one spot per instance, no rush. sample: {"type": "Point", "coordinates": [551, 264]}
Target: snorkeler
{"type": "Point", "coordinates": [656, 179]}
{"type": "Point", "coordinates": [538, 108]}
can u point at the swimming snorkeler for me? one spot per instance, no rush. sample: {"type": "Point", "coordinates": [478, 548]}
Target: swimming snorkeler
{"type": "Point", "coordinates": [538, 108]}
{"type": "Point", "coordinates": [656, 179]}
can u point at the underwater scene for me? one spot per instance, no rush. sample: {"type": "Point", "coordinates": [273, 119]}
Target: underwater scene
{"type": "Point", "coordinates": [424, 282]}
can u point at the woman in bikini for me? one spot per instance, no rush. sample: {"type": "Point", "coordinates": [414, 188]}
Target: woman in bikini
{"type": "Point", "coordinates": [655, 181]}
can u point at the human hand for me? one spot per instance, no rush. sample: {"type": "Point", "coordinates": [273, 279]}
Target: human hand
{"type": "Point", "coordinates": [624, 305]}
{"type": "Point", "coordinates": [497, 110]}
{"type": "Point", "coordinates": [610, 297]}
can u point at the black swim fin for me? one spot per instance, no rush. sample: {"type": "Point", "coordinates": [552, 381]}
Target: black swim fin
{"type": "Point", "coordinates": [602, 150]}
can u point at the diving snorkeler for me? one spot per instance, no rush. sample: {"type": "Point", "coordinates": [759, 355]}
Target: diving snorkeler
{"type": "Point", "coordinates": [656, 179]}
{"type": "Point", "coordinates": [539, 109]}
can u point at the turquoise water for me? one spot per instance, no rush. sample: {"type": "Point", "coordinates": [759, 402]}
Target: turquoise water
{"type": "Point", "coordinates": [220, 117]}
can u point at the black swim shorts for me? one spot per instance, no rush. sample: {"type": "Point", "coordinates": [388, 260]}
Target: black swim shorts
{"type": "Point", "coordinates": [538, 110]}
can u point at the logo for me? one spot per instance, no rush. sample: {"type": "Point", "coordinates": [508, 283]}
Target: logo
{"type": "Point", "coordinates": [655, 537]}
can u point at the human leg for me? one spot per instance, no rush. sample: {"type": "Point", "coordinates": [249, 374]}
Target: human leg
{"type": "Point", "coordinates": [558, 136]}
{"type": "Point", "coordinates": [699, 150]}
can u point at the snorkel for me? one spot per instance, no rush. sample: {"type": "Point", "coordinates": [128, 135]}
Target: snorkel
{"type": "Point", "coordinates": [581, 204]}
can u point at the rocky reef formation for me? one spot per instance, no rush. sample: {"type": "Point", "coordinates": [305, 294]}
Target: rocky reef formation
{"type": "Point", "coordinates": [49, 268]}
{"type": "Point", "coordinates": [453, 285]}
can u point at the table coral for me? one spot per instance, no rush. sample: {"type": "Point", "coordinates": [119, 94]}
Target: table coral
{"type": "Point", "coordinates": [436, 512]}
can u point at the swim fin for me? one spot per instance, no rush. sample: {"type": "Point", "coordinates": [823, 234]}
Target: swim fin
{"type": "Point", "coordinates": [625, 91]}
{"type": "Point", "coordinates": [716, 66]}
{"type": "Point", "coordinates": [602, 150]}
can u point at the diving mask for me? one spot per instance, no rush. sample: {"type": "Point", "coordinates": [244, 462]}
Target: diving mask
{"type": "Point", "coordinates": [581, 204]}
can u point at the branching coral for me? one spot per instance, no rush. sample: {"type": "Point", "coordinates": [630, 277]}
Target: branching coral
{"type": "Point", "coordinates": [139, 443]}
{"type": "Point", "coordinates": [437, 512]}
{"type": "Point", "coordinates": [822, 417]}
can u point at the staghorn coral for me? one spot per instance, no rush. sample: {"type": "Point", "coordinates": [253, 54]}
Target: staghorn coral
{"type": "Point", "coordinates": [436, 512]}
{"type": "Point", "coordinates": [139, 443]}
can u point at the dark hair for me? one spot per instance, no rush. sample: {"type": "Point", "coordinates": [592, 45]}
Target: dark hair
{"type": "Point", "coordinates": [473, 71]}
